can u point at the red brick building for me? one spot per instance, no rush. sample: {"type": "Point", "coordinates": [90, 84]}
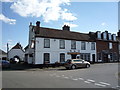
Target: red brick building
{"type": "Point", "coordinates": [118, 38]}
{"type": "Point", "coordinates": [107, 47]}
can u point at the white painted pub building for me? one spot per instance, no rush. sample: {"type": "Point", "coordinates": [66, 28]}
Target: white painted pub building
{"type": "Point", "coordinates": [47, 45]}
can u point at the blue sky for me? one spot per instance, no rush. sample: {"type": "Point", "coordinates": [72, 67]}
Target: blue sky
{"type": "Point", "coordinates": [82, 17]}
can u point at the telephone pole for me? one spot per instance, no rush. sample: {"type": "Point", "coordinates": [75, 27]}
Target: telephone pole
{"type": "Point", "coordinates": [7, 50]}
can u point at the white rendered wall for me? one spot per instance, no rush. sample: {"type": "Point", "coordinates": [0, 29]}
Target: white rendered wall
{"type": "Point", "coordinates": [16, 52]}
{"type": "Point", "coordinates": [55, 51]}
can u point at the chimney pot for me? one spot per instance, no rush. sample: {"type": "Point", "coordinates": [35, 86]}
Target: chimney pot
{"type": "Point", "coordinates": [66, 27]}
{"type": "Point", "coordinates": [118, 33]}
{"type": "Point", "coordinates": [38, 23]}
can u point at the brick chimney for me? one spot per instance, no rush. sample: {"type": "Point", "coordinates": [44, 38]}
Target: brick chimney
{"type": "Point", "coordinates": [38, 23]}
{"type": "Point", "coordinates": [118, 33]}
{"type": "Point", "coordinates": [66, 27]}
{"type": "Point", "coordinates": [37, 29]}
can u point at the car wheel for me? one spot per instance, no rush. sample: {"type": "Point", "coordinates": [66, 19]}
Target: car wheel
{"type": "Point", "coordinates": [73, 67]}
{"type": "Point", "coordinates": [87, 65]}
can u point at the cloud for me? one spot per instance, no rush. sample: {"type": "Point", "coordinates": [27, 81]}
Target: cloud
{"type": "Point", "coordinates": [68, 16]}
{"type": "Point", "coordinates": [6, 0]}
{"type": "Point", "coordinates": [103, 24]}
{"type": "Point", "coordinates": [7, 20]}
{"type": "Point", "coordinates": [47, 9]}
{"type": "Point", "coordinates": [70, 24]}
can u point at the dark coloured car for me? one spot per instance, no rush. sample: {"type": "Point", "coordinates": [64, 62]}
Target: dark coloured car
{"type": "Point", "coordinates": [4, 64]}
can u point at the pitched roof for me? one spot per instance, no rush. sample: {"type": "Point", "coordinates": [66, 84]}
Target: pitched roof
{"type": "Point", "coordinates": [17, 46]}
{"type": "Point", "coordinates": [61, 34]}
{"type": "Point", "coordinates": [26, 47]}
{"type": "Point", "coordinates": [3, 52]}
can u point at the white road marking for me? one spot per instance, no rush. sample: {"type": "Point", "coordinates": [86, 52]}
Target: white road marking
{"type": "Point", "coordinates": [66, 77]}
{"type": "Point", "coordinates": [105, 83]}
{"type": "Point", "coordinates": [118, 86]}
{"type": "Point", "coordinates": [63, 75]}
{"type": "Point", "coordinates": [87, 82]}
{"type": "Point", "coordinates": [57, 76]}
{"type": "Point", "coordinates": [75, 79]}
{"type": "Point", "coordinates": [80, 78]}
{"type": "Point", "coordinates": [90, 80]}
{"type": "Point", "coordinates": [97, 84]}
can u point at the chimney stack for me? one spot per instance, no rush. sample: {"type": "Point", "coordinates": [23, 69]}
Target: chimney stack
{"type": "Point", "coordinates": [30, 23]}
{"type": "Point", "coordinates": [38, 23]}
{"type": "Point", "coordinates": [118, 33]}
{"type": "Point", "coordinates": [66, 27]}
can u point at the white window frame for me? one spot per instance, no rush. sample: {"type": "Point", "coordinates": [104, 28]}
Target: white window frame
{"type": "Point", "coordinates": [92, 45]}
{"type": "Point", "coordinates": [83, 45]}
{"type": "Point", "coordinates": [46, 43]}
{"type": "Point", "coordinates": [110, 45]}
{"type": "Point", "coordinates": [73, 44]}
{"type": "Point", "coordinates": [62, 44]}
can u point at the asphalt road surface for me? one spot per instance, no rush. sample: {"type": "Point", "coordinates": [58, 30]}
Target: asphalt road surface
{"type": "Point", "coordinates": [97, 76]}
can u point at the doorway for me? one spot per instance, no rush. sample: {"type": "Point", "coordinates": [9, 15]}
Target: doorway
{"type": "Point", "coordinates": [73, 56]}
{"type": "Point", "coordinates": [105, 58]}
{"type": "Point", "coordinates": [93, 58]}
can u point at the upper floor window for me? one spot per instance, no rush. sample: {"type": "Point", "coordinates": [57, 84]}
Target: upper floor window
{"type": "Point", "coordinates": [110, 45]}
{"type": "Point", "coordinates": [32, 43]}
{"type": "Point", "coordinates": [114, 37]}
{"type": "Point", "coordinates": [109, 36]}
{"type": "Point", "coordinates": [46, 43]}
{"type": "Point", "coordinates": [73, 44]}
{"type": "Point", "coordinates": [83, 46]}
{"type": "Point", "coordinates": [99, 35]}
{"type": "Point", "coordinates": [92, 46]}
{"type": "Point", "coordinates": [104, 36]}
{"type": "Point", "coordinates": [62, 44]}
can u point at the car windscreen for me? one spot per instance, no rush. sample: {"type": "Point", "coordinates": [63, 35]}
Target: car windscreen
{"type": "Point", "coordinates": [77, 60]}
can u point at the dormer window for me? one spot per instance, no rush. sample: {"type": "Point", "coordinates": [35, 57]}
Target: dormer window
{"type": "Point", "coordinates": [109, 36]}
{"type": "Point", "coordinates": [114, 37]}
{"type": "Point", "coordinates": [99, 35]}
{"type": "Point", "coordinates": [104, 36]}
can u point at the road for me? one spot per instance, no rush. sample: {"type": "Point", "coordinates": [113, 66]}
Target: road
{"type": "Point", "coordinates": [97, 76]}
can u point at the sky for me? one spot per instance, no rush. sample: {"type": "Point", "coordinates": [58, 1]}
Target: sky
{"type": "Point", "coordinates": [16, 15]}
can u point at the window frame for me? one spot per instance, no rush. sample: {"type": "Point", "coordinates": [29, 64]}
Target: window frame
{"type": "Point", "coordinates": [62, 57]}
{"type": "Point", "coordinates": [45, 46]}
{"type": "Point", "coordinates": [92, 45]}
{"type": "Point", "coordinates": [73, 44]}
{"type": "Point", "coordinates": [83, 47]}
{"type": "Point", "coordinates": [44, 56]}
{"type": "Point", "coordinates": [60, 44]}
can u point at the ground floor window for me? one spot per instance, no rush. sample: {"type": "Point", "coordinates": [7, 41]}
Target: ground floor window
{"type": "Point", "coordinates": [85, 56]}
{"type": "Point", "coordinates": [46, 58]}
{"type": "Point", "coordinates": [62, 57]}
{"type": "Point", "coordinates": [115, 56]}
{"type": "Point", "coordinates": [99, 56]}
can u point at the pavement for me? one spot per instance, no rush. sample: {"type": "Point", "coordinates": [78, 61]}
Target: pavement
{"type": "Point", "coordinates": [97, 76]}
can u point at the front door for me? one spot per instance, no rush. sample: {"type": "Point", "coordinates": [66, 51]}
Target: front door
{"type": "Point", "coordinates": [93, 58]}
{"type": "Point", "coordinates": [105, 58]}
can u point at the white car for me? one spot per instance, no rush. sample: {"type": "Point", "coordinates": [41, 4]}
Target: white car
{"type": "Point", "coordinates": [76, 63]}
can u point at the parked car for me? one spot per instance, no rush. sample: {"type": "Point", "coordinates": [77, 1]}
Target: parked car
{"type": "Point", "coordinates": [76, 63]}
{"type": "Point", "coordinates": [4, 64]}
